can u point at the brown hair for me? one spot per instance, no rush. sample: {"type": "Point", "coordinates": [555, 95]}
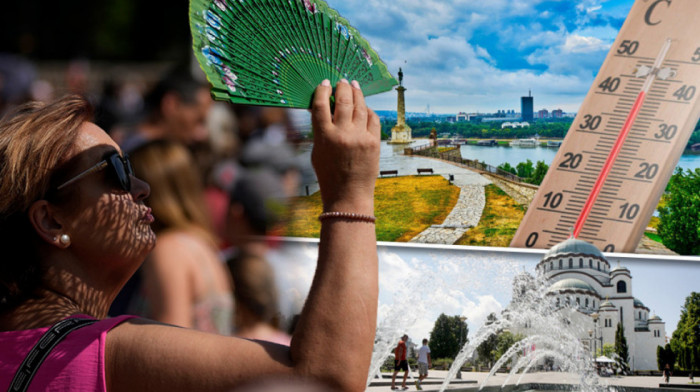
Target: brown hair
{"type": "Point", "coordinates": [177, 190]}
{"type": "Point", "coordinates": [254, 288]}
{"type": "Point", "coordinates": [35, 140]}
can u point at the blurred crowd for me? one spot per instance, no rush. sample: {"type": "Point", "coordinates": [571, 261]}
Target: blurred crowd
{"type": "Point", "coordinates": [221, 176]}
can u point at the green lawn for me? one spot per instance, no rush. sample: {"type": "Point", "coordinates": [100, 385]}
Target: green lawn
{"type": "Point", "coordinates": [499, 220]}
{"type": "Point", "coordinates": [404, 206]}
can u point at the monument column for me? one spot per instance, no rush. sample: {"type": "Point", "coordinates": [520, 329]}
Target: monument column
{"type": "Point", "coordinates": [401, 133]}
{"type": "Point", "coordinates": [401, 107]}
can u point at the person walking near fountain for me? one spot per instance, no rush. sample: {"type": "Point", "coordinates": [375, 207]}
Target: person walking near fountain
{"type": "Point", "coordinates": [667, 373]}
{"type": "Point", "coordinates": [424, 363]}
{"type": "Point", "coordinates": [400, 363]}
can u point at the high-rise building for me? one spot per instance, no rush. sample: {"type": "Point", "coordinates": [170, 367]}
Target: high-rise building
{"type": "Point", "coordinates": [526, 107]}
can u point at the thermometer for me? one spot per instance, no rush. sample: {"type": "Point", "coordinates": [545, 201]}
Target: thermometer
{"type": "Point", "coordinates": [611, 170]}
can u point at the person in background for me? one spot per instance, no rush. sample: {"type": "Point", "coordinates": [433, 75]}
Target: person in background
{"type": "Point", "coordinates": [17, 76]}
{"type": "Point", "coordinates": [424, 363]}
{"type": "Point", "coordinates": [176, 108]}
{"type": "Point", "coordinates": [257, 205]}
{"type": "Point", "coordinates": [400, 363]}
{"type": "Point", "coordinates": [183, 281]}
{"type": "Point", "coordinates": [75, 227]}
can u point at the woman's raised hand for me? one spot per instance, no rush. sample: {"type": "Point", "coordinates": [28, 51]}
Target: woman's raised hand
{"type": "Point", "coordinates": [346, 148]}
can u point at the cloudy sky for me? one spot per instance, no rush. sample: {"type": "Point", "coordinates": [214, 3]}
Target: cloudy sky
{"type": "Point", "coordinates": [483, 55]}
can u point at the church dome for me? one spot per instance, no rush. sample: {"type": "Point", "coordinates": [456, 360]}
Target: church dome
{"type": "Point", "coordinates": [619, 268]}
{"type": "Point", "coordinates": [654, 318]}
{"type": "Point", "coordinates": [638, 303]}
{"type": "Point", "coordinates": [575, 246]}
{"type": "Point", "coordinates": [571, 284]}
{"type": "Point", "coordinates": [607, 305]}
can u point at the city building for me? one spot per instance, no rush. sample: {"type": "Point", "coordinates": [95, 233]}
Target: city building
{"type": "Point", "coordinates": [544, 113]}
{"type": "Point", "coordinates": [527, 107]}
{"type": "Point", "coordinates": [580, 277]}
{"type": "Point", "coordinates": [461, 116]}
{"type": "Point", "coordinates": [558, 113]}
{"type": "Point", "coordinates": [515, 124]}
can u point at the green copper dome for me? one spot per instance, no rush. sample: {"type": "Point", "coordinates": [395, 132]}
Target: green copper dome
{"type": "Point", "coordinates": [573, 245]}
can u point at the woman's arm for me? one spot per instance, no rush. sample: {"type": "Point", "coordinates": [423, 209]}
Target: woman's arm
{"type": "Point", "coordinates": [335, 334]}
{"type": "Point", "coordinates": [341, 309]}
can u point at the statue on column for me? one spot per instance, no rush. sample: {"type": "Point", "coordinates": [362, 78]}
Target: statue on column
{"type": "Point", "coordinates": [401, 133]}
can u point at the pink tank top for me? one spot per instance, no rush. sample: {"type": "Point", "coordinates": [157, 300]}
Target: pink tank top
{"type": "Point", "coordinates": [76, 364]}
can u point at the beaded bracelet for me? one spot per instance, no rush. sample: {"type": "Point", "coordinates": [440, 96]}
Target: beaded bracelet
{"type": "Point", "coordinates": [347, 216]}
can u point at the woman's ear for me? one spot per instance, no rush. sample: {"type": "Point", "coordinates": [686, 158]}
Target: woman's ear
{"type": "Point", "coordinates": [47, 223]}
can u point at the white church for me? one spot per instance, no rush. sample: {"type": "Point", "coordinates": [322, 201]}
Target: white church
{"type": "Point", "coordinates": [581, 277]}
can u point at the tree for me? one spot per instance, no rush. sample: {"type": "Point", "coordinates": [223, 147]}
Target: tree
{"type": "Point", "coordinates": [539, 173]}
{"type": "Point", "coordinates": [507, 167]}
{"type": "Point", "coordinates": [487, 349]}
{"type": "Point", "coordinates": [505, 340]}
{"type": "Point", "coordinates": [665, 356]}
{"type": "Point", "coordinates": [621, 348]}
{"type": "Point", "coordinates": [679, 215]}
{"type": "Point", "coordinates": [685, 340]}
{"type": "Point", "coordinates": [608, 350]}
{"type": "Point", "coordinates": [448, 336]}
{"type": "Point", "coordinates": [525, 169]}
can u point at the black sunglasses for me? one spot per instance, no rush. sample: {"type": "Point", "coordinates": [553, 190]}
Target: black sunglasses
{"type": "Point", "coordinates": [120, 166]}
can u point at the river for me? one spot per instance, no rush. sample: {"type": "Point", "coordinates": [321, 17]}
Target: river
{"type": "Point", "coordinates": [392, 158]}
{"type": "Point", "coordinates": [500, 154]}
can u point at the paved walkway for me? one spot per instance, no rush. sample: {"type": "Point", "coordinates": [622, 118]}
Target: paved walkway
{"type": "Point", "coordinates": [466, 213]}
{"type": "Point", "coordinates": [472, 381]}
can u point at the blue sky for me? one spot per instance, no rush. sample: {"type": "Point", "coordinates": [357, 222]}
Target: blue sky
{"type": "Point", "coordinates": [483, 55]}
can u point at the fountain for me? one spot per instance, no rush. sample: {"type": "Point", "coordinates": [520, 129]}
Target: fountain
{"type": "Point", "coordinates": [553, 316]}
{"type": "Point", "coordinates": [549, 330]}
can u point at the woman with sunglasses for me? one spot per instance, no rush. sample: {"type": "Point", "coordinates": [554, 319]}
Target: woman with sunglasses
{"type": "Point", "coordinates": [68, 252]}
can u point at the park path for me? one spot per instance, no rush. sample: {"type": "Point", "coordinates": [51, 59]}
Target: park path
{"type": "Point", "coordinates": [467, 211]}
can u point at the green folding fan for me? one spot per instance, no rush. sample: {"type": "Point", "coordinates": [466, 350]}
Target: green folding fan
{"type": "Point", "coordinates": [275, 52]}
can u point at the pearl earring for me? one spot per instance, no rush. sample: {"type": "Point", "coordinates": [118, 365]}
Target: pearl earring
{"type": "Point", "coordinates": [65, 239]}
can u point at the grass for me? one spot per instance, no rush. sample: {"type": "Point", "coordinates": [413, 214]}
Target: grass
{"type": "Point", "coordinates": [499, 220]}
{"type": "Point", "coordinates": [654, 237]}
{"type": "Point", "coordinates": [653, 223]}
{"type": "Point", "coordinates": [404, 206]}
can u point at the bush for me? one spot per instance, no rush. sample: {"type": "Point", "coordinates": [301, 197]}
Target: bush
{"type": "Point", "coordinates": [679, 214]}
{"type": "Point", "coordinates": [442, 363]}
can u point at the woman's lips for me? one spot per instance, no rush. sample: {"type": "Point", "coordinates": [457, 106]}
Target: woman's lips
{"type": "Point", "coordinates": [148, 216]}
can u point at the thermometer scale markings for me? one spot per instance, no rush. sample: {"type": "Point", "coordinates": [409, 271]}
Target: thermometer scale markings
{"type": "Point", "coordinates": [610, 181]}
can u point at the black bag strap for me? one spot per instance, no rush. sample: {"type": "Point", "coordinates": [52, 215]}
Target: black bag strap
{"type": "Point", "coordinates": [41, 350]}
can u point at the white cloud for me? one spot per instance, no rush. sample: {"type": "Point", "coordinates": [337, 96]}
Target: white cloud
{"type": "Point", "coordinates": [466, 55]}
{"type": "Point", "coordinates": [579, 44]}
